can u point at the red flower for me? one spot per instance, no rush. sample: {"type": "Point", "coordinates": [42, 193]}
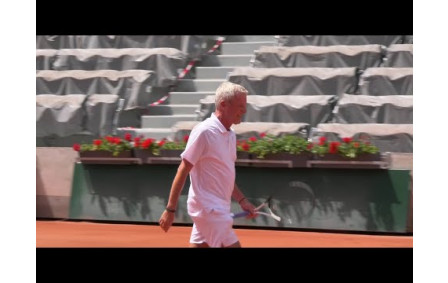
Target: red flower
{"type": "Point", "coordinates": [322, 140]}
{"type": "Point", "coordinates": [252, 139]}
{"type": "Point", "coordinates": [147, 143]}
{"type": "Point", "coordinates": [116, 140]}
{"type": "Point", "coordinates": [186, 138]}
{"type": "Point", "coordinates": [333, 147]}
{"type": "Point", "coordinates": [245, 147]}
{"type": "Point", "coordinates": [110, 139]}
{"type": "Point", "coordinates": [97, 142]}
{"type": "Point", "coordinates": [310, 146]}
{"type": "Point", "coordinates": [262, 135]}
{"type": "Point", "coordinates": [347, 140]}
{"type": "Point", "coordinates": [76, 147]}
{"type": "Point", "coordinates": [356, 144]}
{"type": "Point", "coordinates": [161, 143]}
{"type": "Point", "coordinates": [128, 137]}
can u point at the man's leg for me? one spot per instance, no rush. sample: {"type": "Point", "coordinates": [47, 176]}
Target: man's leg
{"type": "Point", "coordinates": [234, 245]}
{"type": "Point", "coordinates": [201, 245]}
{"type": "Point", "coordinates": [213, 231]}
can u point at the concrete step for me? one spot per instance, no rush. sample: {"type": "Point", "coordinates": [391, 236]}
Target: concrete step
{"type": "Point", "coordinates": [226, 60]}
{"type": "Point", "coordinates": [188, 97]}
{"type": "Point", "coordinates": [153, 133]}
{"type": "Point", "coordinates": [243, 48]}
{"type": "Point", "coordinates": [213, 72]}
{"type": "Point", "coordinates": [173, 109]}
{"type": "Point", "coordinates": [165, 121]}
{"type": "Point", "coordinates": [198, 85]}
{"type": "Point", "coordinates": [250, 38]}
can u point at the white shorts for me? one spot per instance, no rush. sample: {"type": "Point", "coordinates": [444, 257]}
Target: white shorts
{"type": "Point", "coordinates": [213, 228]}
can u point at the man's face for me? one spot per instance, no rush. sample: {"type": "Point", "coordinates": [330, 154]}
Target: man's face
{"type": "Point", "coordinates": [236, 108]}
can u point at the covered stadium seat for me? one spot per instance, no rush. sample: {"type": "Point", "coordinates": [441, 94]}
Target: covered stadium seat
{"type": "Point", "coordinates": [386, 81]}
{"type": "Point", "coordinates": [335, 56]}
{"type": "Point", "coordinates": [165, 62]}
{"type": "Point", "coordinates": [295, 81]}
{"type": "Point", "coordinates": [132, 85]}
{"type": "Point", "coordinates": [101, 110]}
{"type": "Point", "coordinates": [326, 40]}
{"type": "Point", "coordinates": [399, 56]}
{"type": "Point", "coordinates": [389, 109]}
{"type": "Point", "coordinates": [58, 115]}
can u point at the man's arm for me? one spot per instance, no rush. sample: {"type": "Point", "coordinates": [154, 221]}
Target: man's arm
{"type": "Point", "coordinates": [167, 217]}
{"type": "Point", "coordinates": [243, 201]}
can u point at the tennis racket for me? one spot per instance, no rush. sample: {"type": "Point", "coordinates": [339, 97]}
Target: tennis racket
{"type": "Point", "coordinates": [267, 204]}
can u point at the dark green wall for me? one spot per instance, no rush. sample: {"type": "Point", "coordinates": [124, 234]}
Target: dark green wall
{"type": "Point", "coordinates": [340, 199]}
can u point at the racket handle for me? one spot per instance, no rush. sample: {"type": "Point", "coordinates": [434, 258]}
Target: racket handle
{"type": "Point", "coordinates": [241, 214]}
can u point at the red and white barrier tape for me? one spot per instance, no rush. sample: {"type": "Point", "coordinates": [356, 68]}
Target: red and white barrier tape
{"type": "Point", "coordinates": [188, 69]}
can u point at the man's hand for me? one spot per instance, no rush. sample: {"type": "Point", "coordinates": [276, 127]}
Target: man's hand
{"type": "Point", "coordinates": [166, 220]}
{"type": "Point", "coordinates": [248, 206]}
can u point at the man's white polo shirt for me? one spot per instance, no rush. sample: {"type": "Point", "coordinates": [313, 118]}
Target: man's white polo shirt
{"type": "Point", "coordinates": [212, 151]}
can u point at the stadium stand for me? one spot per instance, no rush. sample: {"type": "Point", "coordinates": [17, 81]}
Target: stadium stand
{"type": "Point", "coordinates": [192, 45]}
{"type": "Point", "coordinates": [386, 81]}
{"type": "Point", "coordinates": [295, 81]}
{"type": "Point", "coordinates": [399, 56]}
{"type": "Point", "coordinates": [325, 40]}
{"type": "Point", "coordinates": [58, 115]}
{"type": "Point", "coordinates": [388, 109]}
{"type": "Point", "coordinates": [132, 85]}
{"type": "Point", "coordinates": [45, 58]}
{"type": "Point", "coordinates": [279, 75]}
{"type": "Point", "coordinates": [336, 56]}
{"type": "Point", "coordinates": [165, 62]}
{"type": "Point", "coordinates": [101, 110]}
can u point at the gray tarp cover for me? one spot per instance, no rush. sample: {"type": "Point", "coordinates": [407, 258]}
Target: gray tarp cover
{"type": "Point", "coordinates": [295, 81]}
{"type": "Point", "coordinates": [399, 56]}
{"type": "Point", "coordinates": [45, 58]}
{"type": "Point", "coordinates": [132, 85]}
{"type": "Point", "coordinates": [59, 115]}
{"type": "Point", "coordinates": [389, 109]}
{"type": "Point", "coordinates": [165, 62]}
{"type": "Point", "coordinates": [100, 109]}
{"type": "Point", "coordinates": [387, 137]}
{"type": "Point", "coordinates": [336, 56]}
{"type": "Point", "coordinates": [192, 45]}
{"type": "Point", "coordinates": [278, 108]}
{"type": "Point", "coordinates": [386, 81]}
{"type": "Point", "coordinates": [65, 115]}
{"type": "Point", "coordinates": [324, 40]}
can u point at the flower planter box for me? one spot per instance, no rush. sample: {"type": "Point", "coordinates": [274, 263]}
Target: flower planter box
{"type": "Point", "coordinates": [105, 154]}
{"type": "Point", "coordinates": [143, 154]}
{"type": "Point", "coordinates": [241, 156]}
{"type": "Point", "coordinates": [364, 161]}
{"type": "Point", "coordinates": [283, 159]}
{"type": "Point", "coordinates": [171, 152]}
{"type": "Point", "coordinates": [338, 157]}
{"type": "Point", "coordinates": [107, 157]}
{"type": "Point", "coordinates": [166, 156]}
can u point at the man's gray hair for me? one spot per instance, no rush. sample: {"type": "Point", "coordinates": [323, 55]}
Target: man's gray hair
{"type": "Point", "coordinates": [227, 90]}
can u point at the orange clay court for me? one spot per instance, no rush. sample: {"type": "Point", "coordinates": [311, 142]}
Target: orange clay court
{"type": "Point", "coordinates": [91, 234]}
